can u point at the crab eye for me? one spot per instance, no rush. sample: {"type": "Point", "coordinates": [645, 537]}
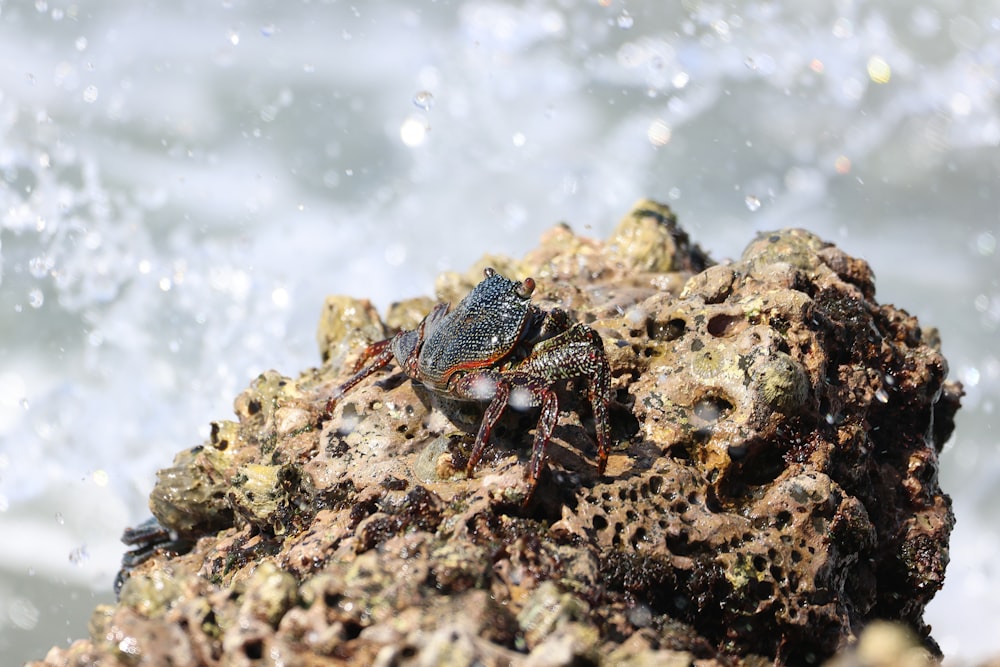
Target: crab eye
{"type": "Point", "coordinates": [489, 272]}
{"type": "Point", "coordinates": [525, 289]}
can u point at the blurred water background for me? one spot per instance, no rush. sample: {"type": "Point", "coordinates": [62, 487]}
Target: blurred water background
{"type": "Point", "coordinates": [183, 181]}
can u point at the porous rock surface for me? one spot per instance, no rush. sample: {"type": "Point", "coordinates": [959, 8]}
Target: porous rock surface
{"type": "Point", "coordinates": [773, 488]}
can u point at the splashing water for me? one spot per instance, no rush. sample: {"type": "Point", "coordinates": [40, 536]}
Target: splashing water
{"type": "Point", "coordinates": [181, 190]}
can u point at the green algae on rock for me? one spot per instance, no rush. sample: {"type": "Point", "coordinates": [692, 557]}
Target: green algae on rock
{"type": "Point", "coordinates": [773, 490]}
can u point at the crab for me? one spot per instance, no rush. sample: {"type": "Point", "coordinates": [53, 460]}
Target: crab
{"type": "Point", "coordinates": [497, 347]}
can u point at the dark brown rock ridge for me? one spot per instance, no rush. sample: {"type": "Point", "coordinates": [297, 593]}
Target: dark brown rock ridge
{"type": "Point", "coordinates": [773, 488]}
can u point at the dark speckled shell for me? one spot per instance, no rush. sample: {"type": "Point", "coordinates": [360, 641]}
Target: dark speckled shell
{"type": "Point", "coordinates": [482, 329]}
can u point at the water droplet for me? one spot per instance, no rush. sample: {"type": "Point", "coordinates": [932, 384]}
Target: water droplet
{"type": "Point", "coordinates": [843, 28]}
{"type": "Point", "coordinates": [80, 43]}
{"type": "Point", "coordinates": [267, 30]}
{"type": "Point", "coordinates": [879, 70]}
{"type": "Point", "coordinates": [423, 100]}
{"type": "Point", "coordinates": [520, 398]}
{"type": "Point", "coordinates": [395, 254]}
{"type": "Point", "coordinates": [36, 298]}
{"type": "Point", "coordinates": [970, 376]}
{"type": "Point", "coordinates": [268, 113]}
{"type": "Point", "coordinates": [60, 519]}
{"type": "Point", "coordinates": [413, 131]}
{"type": "Point", "coordinates": [750, 63]}
{"type": "Point", "coordinates": [23, 614]}
{"type": "Point", "coordinates": [752, 202]}
{"type": "Point", "coordinates": [625, 20]}
{"type": "Point", "coordinates": [129, 646]}
{"type": "Point", "coordinates": [519, 139]}
{"type": "Point", "coordinates": [349, 419]}
{"type": "Point", "coordinates": [659, 133]}
{"type": "Point", "coordinates": [853, 88]}
{"type": "Point", "coordinates": [484, 388]}
{"type": "Point", "coordinates": [80, 555]}
{"type": "Point", "coordinates": [674, 193]}
{"type": "Point", "coordinates": [639, 615]}
{"type": "Point", "coordinates": [234, 38]}
{"type": "Point", "coordinates": [882, 395]}
{"type": "Point", "coordinates": [960, 103]}
{"type": "Point", "coordinates": [40, 266]}
{"type": "Point", "coordinates": [636, 317]}
{"type": "Point", "coordinates": [90, 94]}
{"type": "Point", "coordinates": [41, 6]}
{"type": "Point", "coordinates": [279, 297]}
{"type": "Point", "coordinates": [709, 409]}
{"type": "Point", "coordinates": [986, 244]}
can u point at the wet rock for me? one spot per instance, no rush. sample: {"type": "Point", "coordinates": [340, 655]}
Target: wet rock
{"type": "Point", "coordinates": [648, 239]}
{"type": "Point", "coordinates": [345, 325]}
{"type": "Point", "coordinates": [773, 488]}
{"type": "Point", "coordinates": [884, 644]}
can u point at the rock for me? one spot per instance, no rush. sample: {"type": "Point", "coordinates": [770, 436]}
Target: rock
{"type": "Point", "coordinates": [773, 489]}
{"type": "Point", "coordinates": [884, 644]}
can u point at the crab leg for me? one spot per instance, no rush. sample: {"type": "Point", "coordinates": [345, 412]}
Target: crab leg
{"type": "Point", "coordinates": [371, 352]}
{"type": "Point", "coordinates": [493, 413]}
{"type": "Point", "coordinates": [543, 433]}
{"type": "Point", "coordinates": [534, 394]}
{"type": "Point", "coordinates": [555, 322]}
{"type": "Point", "coordinates": [577, 353]}
{"type": "Point", "coordinates": [382, 355]}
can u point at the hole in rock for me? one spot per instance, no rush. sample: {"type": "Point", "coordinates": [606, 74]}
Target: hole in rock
{"type": "Point", "coordinates": [666, 331]}
{"type": "Point", "coordinates": [723, 325]}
